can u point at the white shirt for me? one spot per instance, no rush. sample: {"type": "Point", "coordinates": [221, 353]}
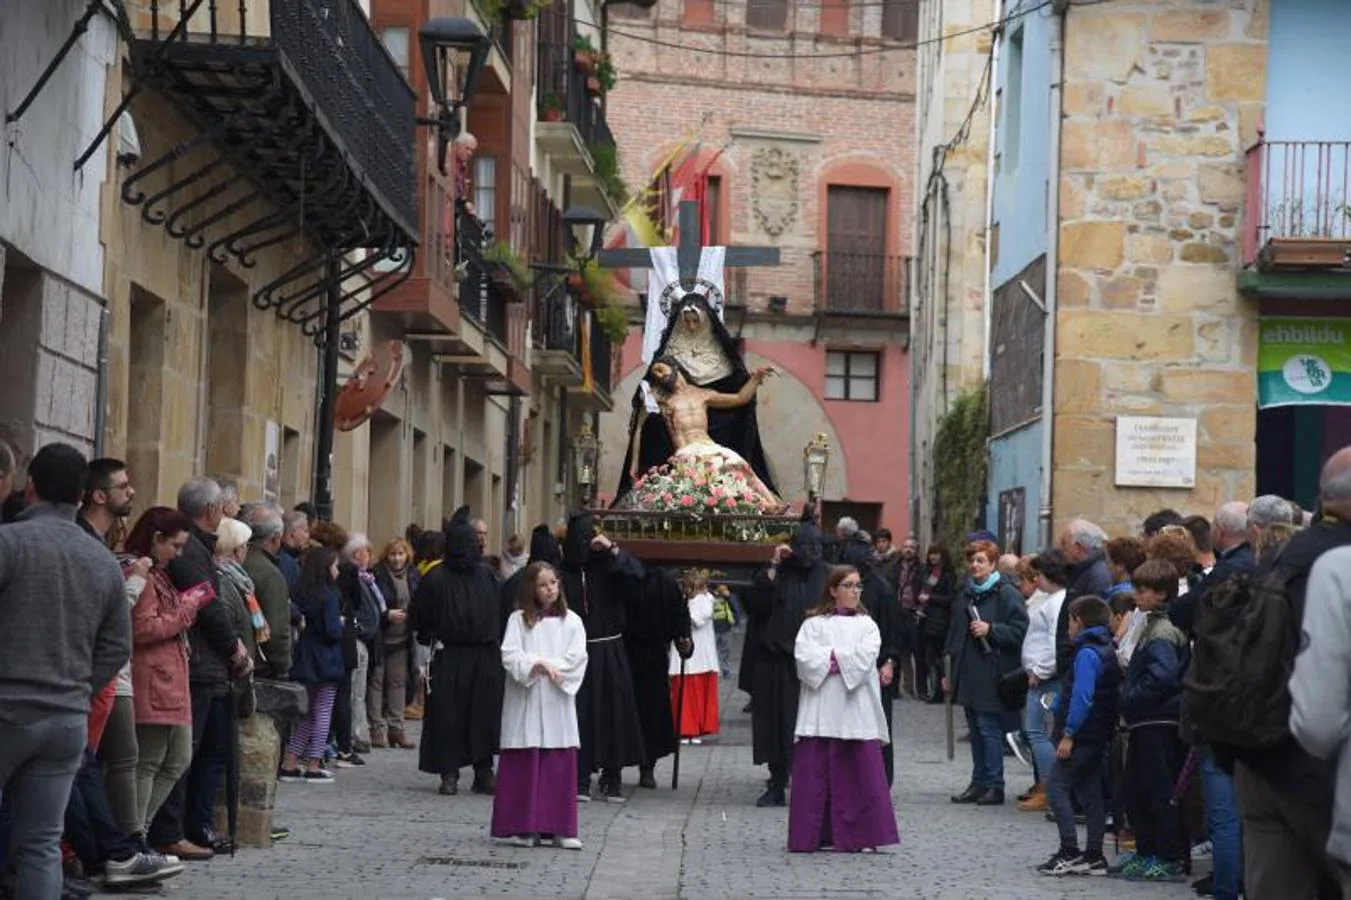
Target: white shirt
{"type": "Point", "coordinates": [535, 712]}
{"type": "Point", "coordinates": [846, 704]}
{"type": "Point", "coordinates": [705, 656]}
{"type": "Point", "coordinates": [1125, 647]}
{"type": "Point", "coordinates": [1039, 641]}
{"type": "Point", "coordinates": [134, 586]}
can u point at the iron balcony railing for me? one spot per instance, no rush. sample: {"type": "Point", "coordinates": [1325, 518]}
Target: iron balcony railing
{"type": "Point", "coordinates": [601, 361]}
{"type": "Point", "coordinates": [850, 282]}
{"type": "Point", "coordinates": [471, 239]}
{"type": "Point", "coordinates": [557, 317]}
{"type": "Point", "coordinates": [560, 82]}
{"type": "Point", "coordinates": [1296, 190]}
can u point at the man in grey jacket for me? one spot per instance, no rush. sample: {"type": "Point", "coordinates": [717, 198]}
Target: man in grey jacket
{"type": "Point", "coordinates": [67, 632]}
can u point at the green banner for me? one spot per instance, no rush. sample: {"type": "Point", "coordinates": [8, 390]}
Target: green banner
{"type": "Point", "coordinates": [1304, 362]}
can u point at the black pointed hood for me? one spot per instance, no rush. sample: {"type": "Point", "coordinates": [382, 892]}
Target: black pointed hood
{"type": "Point", "coordinates": [808, 547]}
{"type": "Point", "coordinates": [577, 543]}
{"type": "Point", "coordinates": [462, 550]}
{"type": "Point", "coordinates": [544, 546]}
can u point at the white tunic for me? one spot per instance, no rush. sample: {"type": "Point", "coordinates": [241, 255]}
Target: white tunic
{"type": "Point", "coordinates": [705, 656]}
{"type": "Point", "coordinates": [535, 712]}
{"type": "Point", "coordinates": [846, 704]}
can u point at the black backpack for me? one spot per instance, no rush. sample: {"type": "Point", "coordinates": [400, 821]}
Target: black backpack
{"type": "Point", "coordinates": [1246, 635]}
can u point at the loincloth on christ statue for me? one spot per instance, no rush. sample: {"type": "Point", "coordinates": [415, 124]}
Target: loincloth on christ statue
{"type": "Point", "coordinates": [703, 478]}
{"type": "Point", "coordinates": [696, 338]}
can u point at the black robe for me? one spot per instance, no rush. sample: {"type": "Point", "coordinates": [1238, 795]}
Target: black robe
{"type": "Point", "coordinates": [780, 605]}
{"type": "Point", "coordinates": [750, 647]}
{"type": "Point", "coordinates": [658, 616]}
{"type": "Point", "coordinates": [737, 429]}
{"type": "Point", "coordinates": [599, 586]}
{"type": "Point", "coordinates": [458, 604]}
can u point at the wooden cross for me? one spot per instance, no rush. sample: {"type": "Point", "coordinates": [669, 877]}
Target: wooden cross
{"type": "Point", "coordinates": [688, 251]}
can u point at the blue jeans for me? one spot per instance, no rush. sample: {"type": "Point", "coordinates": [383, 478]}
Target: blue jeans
{"type": "Point", "coordinates": [1224, 824]}
{"type": "Point", "coordinates": [1037, 726]}
{"type": "Point", "coordinates": [987, 749]}
{"type": "Point", "coordinates": [38, 763]}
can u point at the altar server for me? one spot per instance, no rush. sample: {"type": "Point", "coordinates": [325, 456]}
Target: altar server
{"type": "Point", "coordinates": [544, 654]}
{"type": "Point", "coordinates": [840, 799]}
{"type": "Point", "coordinates": [698, 707]}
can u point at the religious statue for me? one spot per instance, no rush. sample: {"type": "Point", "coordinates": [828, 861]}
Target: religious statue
{"type": "Point", "coordinates": [701, 475]}
{"type": "Point", "coordinates": [697, 342]}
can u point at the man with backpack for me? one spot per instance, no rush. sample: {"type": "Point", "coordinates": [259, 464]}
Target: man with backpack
{"type": "Point", "coordinates": [1236, 696]}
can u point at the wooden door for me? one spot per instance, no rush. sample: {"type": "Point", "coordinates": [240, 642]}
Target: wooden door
{"type": "Point", "coordinates": [856, 246]}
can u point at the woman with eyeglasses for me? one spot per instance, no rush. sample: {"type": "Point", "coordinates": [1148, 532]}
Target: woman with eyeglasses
{"type": "Point", "coordinates": [840, 799]}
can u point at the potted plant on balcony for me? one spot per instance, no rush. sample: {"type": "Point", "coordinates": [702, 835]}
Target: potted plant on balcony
{"type": "Point", "coordinates": [613, 320]}
{"type": "Point", "coordinates": [552, 109]}
{"type": "Point", "coordinates": [584, 52]}
{"type": "Point", "coordinates": [605, 157]}
{"type": "Point", "coordinates": [606, 74]}
{"type": "Point", "coordinates": [508, 269]}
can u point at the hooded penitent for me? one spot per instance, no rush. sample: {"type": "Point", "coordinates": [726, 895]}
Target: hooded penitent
{"type": "Point", "coordinates": [544, 546]}
{"type": "Point", "coordinates": [577, 544]}
{"type": "Point", "coordinates": [462, 550]}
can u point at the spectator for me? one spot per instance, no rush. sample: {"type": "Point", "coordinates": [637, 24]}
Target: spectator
{"type": "Point", "coordinates": [1174, 544]}
{"type": "Point", "coordinates": [887, 557]}
{"type": "Point", "coordinates": [67, 632]}
{"type": "Point", "coordinates": [1038, 652]}
{"type": "Point", "coordinates": [1086, 713]}
{"type": "Point", "coordinates": [937, 586]}
{"type": "Point", "coordinates": [1082, 543]}
{"type": "Point", "coordinates": [1200, 529]}
{"type": "Point", "coordinates": [985, 642]}
{"type": "Point", "coordinates": [724, 620]}
{"type": "Point", "coordinates": [1268, 525]}
{"type": "Point", "coordinates": [295, 540]}
{"type": "Point", "coordinates": [387, 690]}
{"type": "Point", "coordinates": [1150, 708]}
{"type": "Point", "coordinates": [1124, 555]}
{"type": "Point", "coordinates": [318, 664]}
{"type": "Point", "coordinates": [363, 607]}
{"type": "Point", "coordinates": [513, 557]}
{"type": "Point", "coordinates": [263, 564]}
{"type": "Point", "coordinates": [1233, 555]}
{"type": "Point", "coordinates": [1160, 520]}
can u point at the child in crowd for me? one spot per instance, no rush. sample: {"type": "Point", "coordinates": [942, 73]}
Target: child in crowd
{"type": "Point", "coordinates": [318, 664]}
{"type": "Point", "coordinates": [1150, 709]}
{"type": "Point", "coordinates": [1086, 711]}
{"type": "Point", "coordinates": [544, 653]}
{"type": "Point", "coordinates": [1122, 605]}
{"type": "Point", "coordinates": [724, 620]}
{"type": "Point", "coordinates": [696, 713]}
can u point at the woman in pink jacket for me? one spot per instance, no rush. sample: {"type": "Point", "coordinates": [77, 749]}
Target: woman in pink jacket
{"type": "Point", "coordinates": [159, 659]}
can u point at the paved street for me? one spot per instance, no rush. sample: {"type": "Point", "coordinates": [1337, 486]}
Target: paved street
{"type": "Point", "coordinates": [383, 832]}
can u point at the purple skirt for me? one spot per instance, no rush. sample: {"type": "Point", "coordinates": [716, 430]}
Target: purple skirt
{"type": "Point", "coordinates": [840, 797]}
{"type": "Point", "coordinates": [536, 793]}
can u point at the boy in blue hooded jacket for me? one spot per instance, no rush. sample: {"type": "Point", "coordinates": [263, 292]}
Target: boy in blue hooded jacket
{"type": "Point", "coordinates": [1086, 712]}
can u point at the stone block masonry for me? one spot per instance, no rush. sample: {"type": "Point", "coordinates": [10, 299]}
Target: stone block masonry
{"type": "Point", "coordinates": [1160, 102]}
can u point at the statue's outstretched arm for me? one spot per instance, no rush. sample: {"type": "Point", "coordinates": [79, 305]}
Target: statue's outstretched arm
{"type": "Point", "coordinates": [743, 396]}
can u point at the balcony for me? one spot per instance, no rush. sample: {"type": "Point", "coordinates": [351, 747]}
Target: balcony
{"type": "Point", "coordinates": [1297, 216]}
{"type": "Point", "coordinates": [304, 127]}
{"type": "Point", "coordinates": [593, 391]}
{"type": "Point", "coordinates": [557, 337]}
{"type": "Point", "coordinates": [860, 284]}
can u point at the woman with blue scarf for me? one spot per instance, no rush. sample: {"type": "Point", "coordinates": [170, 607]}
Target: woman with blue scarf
{"type": "Point", "coordinates": [984, 642]}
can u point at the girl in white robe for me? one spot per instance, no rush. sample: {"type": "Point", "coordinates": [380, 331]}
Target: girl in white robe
{"type": "Point", "coordinates": [696, 712]}
{"type": "Point", "coordinates": [544, 654]}
{"type": "Point", "coordinates": [840, 798]}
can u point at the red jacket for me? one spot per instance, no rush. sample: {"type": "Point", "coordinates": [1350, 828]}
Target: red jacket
{"type": "Point", "coordinates": [159, 658]}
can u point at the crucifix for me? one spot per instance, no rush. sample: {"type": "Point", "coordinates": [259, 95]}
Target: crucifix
{"type": "Point", "coordinates": [689, 251]}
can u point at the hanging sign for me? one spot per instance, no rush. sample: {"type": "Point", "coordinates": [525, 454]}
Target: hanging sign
{"type": "Point", "coordinates": [1304, 362]}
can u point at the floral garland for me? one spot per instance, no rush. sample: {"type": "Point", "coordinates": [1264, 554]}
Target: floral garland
{"type": "Point", "coordinates": [696, 486]}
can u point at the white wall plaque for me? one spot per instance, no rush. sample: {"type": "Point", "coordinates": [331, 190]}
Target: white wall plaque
{"type": "Point", "coordinates": [1155, 452]}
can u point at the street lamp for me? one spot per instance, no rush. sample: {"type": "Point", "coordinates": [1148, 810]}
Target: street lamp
{"type": "Point", "coordinates": [588, 230]}
{"type": "Point", "coordinates": [586, 460]}
{"type": "Point", "coordinates": [454, 51]}
{"type": "Point", "coordinates": [815, 461]}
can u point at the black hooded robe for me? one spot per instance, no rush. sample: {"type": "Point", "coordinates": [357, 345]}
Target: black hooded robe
{"type": "Point", "coordinates": [458, 606]}
{"type": "Point", "coordinates": [599, 587]}
{"type": "Point", "coordinates": [884, 606]}
{"type": "Point", "coordinates": [657, 616]}
{"type": "Point", "coordinates": [780, 604]}
{"type": "Point", "coordinates": [543, 548]}
{"type": "Point", "coordinates": [736, 429]}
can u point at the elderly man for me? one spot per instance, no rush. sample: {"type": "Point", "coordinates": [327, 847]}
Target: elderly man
{"type": "Point", "coordinates": [274, 597]}
{"type": "Point", "coordinates": [1083, 544]}
{"type": "Point", "coordinates": [216, 654]}
{"type": "Point", "coordinates": [480, 527]}
{"type": "Point", "coordinates": [1285, 793]}
{"type": "Point", "coordinates": [295, 540]}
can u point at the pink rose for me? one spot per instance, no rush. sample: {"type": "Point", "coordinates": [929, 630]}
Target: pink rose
{"type": "Point", "coordinates": [687, 500]}
{"type": "Point", "coordinates": [666, 497]}
{"type": "Point", "coordinates": [731, 503]}
{"type": "Point", "coordinates": [710, 501]}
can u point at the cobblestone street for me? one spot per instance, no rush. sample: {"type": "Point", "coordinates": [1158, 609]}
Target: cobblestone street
{"type": "Point", "coordinates": [382, 831]}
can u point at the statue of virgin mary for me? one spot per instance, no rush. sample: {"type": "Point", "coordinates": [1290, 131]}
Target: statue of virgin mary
{"type": "Point", "coordinates": [695, 338]}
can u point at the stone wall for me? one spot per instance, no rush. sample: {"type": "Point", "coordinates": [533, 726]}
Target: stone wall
{"type": "Point", "coordinates": [1160, 101]}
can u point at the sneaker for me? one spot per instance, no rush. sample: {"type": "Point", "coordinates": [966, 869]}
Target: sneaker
{"type": "Point", "coordinates": [291, 775]}
{"type": "Point", "coordinates": [568, 843]}
{"type": "Point", "coordinates": [1161, 872]}
{"type": "Point", "coordinates": [1202, 850]}
{"type": "Point", "coordinates": [1128, 865]}
{"type": "Point", "coordinates": [280, 833]}
{"type": "Point", "coordinates": [349, 760]}
{"type": "Point", "coordinates": [524, 840]}
{"type": "Point", "coordinates": [1060, 864]}
{"type": "Point", "coordinates": [614, 791]}
{"type": "Point", "coordinates": [1089, 864]}
{"type": "Point", "coordinates": [696, 741]}
{"type": "Point", "coordinates": [143, 868]}
{"type": "Point", "coordinates": [361, 746]}
{"type": "Point", "coordinates": [318, 776]}
{"type": "Point", "coordinates": [1011, 738]}
{"type": "Point", "coordinates": [584, 791]}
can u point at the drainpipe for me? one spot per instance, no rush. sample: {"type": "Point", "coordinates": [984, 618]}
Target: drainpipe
{"type": "Point", "coordinates": [989, 193]}
{"type": "Point", "coordinates": [1045, 510]}
{"type": "Point", "coordinates": [101, 386]}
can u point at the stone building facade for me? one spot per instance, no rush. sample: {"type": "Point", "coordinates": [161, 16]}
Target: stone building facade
{"type": "Point", "coordinates": [802, 114]}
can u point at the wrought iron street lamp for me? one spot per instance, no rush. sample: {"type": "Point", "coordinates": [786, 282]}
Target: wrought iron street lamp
{"type": "Point", "coordinates": [815, 462]}
{"type": "Point", "coordinates": [588, 230]}
{"type": "Point", "coordinates": [454, 52]}
{"type": "Point", "coordinates": [586, 460]}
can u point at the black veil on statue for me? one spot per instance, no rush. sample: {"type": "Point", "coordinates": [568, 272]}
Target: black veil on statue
{"type": "Point", "coordinates": [736, 429]}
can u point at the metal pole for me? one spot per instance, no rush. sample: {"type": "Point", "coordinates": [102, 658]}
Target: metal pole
{"type": "Point", "coordinates": [947, 704]}
{"type": "Point", "coordinates": [328, 379]}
